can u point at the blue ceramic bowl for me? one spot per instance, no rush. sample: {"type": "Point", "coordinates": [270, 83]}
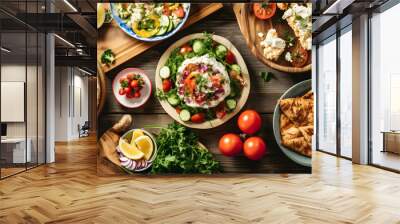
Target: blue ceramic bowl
{"type": "Point", "coordinates": [295, 91]}
{"type": "Point", "coordinates": [130, 32]}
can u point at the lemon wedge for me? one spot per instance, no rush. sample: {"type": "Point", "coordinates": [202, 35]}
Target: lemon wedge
{"type": "Point", "coordinates": [101, 15]}
{"type": "Point", "coordinates": [136, 134]}
{"type": "Point", "coordinates": [145, 144]}
{"type": "Point", "coordinates": [130, 151]}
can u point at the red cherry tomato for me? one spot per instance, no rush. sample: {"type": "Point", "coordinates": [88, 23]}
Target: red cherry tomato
{"type": "Point", "coordinates": [230, 144]}
{"type": "Point", "coordinates": [254, 148]}
{"type": "Point", "coordinates": [179, 12]}
{"type": "Point", "coordinates": [166, 85]}
{"type": "Point", "coordinates": [129, 76]}
{"type": "Point", "coordinates": [127, 90]}
{"type": "Point", "coordinates": [136, 94]}
{"type": "Point", "coordinates": [122, 79]}
{"type": "Point", "coordinates": [264, 10]}
{"type": "Point", "coordinates": [186, 49]}
{"type": "Point", "coordinates": [121, 91]}
{"type": "Point", "coordinates": [130, 95]}
{"type": "Point", "coordinates": [230, 58]}
{"type": "Point", "coordinates": [220, 113]}
{"type": "Point", "coordinates": [166, 10]}
{"type": "Point", "coordinates": [299, 57]}
{"type": "Point", "coordinates": [134, 84]}
{"type": "Point", "coordinates": [249, 122]}
{"type": "Point", "coordinates": [198, 118]}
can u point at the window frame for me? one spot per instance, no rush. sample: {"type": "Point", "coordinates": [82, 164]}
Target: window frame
{"type": "Point", "coordinates": [381, 9]}
{"type": "Point", "coordinates": [339, 32]}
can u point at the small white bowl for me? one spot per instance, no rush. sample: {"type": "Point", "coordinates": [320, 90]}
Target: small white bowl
{"type": "Point", "coordinates": [155, 150]}
{"type": "Point", "coordinates": [132, 102]}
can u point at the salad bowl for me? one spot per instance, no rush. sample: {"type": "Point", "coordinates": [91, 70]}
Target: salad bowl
{"type": "Point", "coordinates": [186, 111]}
{"type": "Point", "coordinates": [167, 26]}
{"type": "Point", "coordinates": [295, 91]}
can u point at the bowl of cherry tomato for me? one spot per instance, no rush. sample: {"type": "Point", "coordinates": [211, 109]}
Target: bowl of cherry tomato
{"type": "Point", "coordinates": [132, 88]}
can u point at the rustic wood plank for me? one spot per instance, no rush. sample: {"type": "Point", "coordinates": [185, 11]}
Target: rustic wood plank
{"type": "Point", "coordinates": [274, 162]}
{"type": "Point", "coordinates": [250, 26]}
{"type": "Point", "coordinates": [263, 98]}
{"type": "Point", "coordinates": [70, 191]}
{"type": "Point", "coordinates": [263, 95]}
{"type": "Point", "coordinates": [126, 47]}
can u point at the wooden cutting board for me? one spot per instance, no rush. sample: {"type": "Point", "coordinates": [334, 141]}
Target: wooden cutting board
{"type": "Point", "coordinates": [126, 47]}
{"type": "Point", "coordinates": [108, 156]}
{"type": "Point", "coordinates": [101, 89]}
{"type": "Point", "coordinates": [250, 26]}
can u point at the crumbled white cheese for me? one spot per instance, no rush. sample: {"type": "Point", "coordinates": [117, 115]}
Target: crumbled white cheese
{"type": "Point", "coordinates": [137, 14]}
{"type": "Point", "coordinates": [288, 13]}
{"type": "Point", "coordinates": [273, 45]}
{"type": "Point", "coordinates": [260, 34]}
{"type": "Point", "coordinates": [303, 12]}
{"type": "Point", "coordinates": [288, 57]}
{"type": "Point", "coordinates": [299, 19]}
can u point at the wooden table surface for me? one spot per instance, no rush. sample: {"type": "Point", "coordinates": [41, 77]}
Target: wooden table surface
{"type": "Point", "coordinates": [263, 98]}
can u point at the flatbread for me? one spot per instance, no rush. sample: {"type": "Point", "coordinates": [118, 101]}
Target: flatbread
{"type": "Point", "coordinates": [298, 110]}
{"type": "Point", "coordinates": [297, 123]}
{"type": "Point", "coordinates": [297, 139]}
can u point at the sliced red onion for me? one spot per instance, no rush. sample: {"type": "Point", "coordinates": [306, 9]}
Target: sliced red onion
{"type": "Point", "coordinates": [126, 163]}
{"type": "Point", "coordinates": [123, 158]}
{"type": "Point", "coordinates": [140, 164]}
{"type": "Point", "coordinates": [133, 165]}
{"type": "Point", "coordinates": [118, 150]}
{"type": "Point", "coordinates": [143, 163]}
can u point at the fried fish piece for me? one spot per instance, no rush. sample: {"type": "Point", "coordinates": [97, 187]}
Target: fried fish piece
{"type": "Point", "coordinates": [298, 145]}
{"type": "Point", "coordinates": [307, 132]}
{"type": "Point", "coordinates": [297, 123]}
{"type": "Point", "coordinates": [297, 139]}
{"type": "Point", "coordinates": [308, 95]}
{"type": "Point", "coordinates": [298, 110]}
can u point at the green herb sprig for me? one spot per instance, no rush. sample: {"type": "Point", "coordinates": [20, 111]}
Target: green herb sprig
{"type": "Point", "coordinates": [179, 152]}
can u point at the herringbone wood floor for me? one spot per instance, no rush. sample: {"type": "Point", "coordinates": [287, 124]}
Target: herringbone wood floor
{"type": "Point", "coordinates": [70, 192]}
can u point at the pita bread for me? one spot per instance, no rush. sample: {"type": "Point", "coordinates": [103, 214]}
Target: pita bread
{"type": "Point", "coordinates": [297, 123]}
{"type": "Point", "coordinates": [298, 110]}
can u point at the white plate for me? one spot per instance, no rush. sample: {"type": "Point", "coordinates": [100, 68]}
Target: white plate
{"type": "Point", "coordinates": [132, 102]}
{"type": "Point", "coordinates": [239, 60]}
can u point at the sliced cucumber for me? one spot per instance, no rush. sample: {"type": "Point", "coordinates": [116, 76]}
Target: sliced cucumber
{"type": "Point", "coordinates": [236, 68]}
{"type": "Point", "coordinates": [164, 21]}
{"type": "Point", "coordinates": [165, 72]}
{"type": "Point", "coordinates": [171, 26]}
{"type": "Point", "coordinates": [184, 115]}
{"type": "Point", "coordinates": [162, 30]}
{"type": "Point", "coordinates": [199, 47]}
{"type": "Point", "coordinates": [173, 100]}
{"type": "Point", "coordinates": [231, 104]}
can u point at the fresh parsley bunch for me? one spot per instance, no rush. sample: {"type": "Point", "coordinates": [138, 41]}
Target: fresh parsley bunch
{"type": "Point", "coordinates": [179, 152]}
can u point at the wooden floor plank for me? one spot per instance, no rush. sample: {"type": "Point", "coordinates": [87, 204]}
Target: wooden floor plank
{"type": "Point", "coordinates": [69, 191]}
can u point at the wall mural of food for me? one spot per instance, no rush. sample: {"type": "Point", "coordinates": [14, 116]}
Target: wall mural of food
{"type": "Point", "coordinates": [201, 82]}
{"type": "Point", "coordinates": [204, 88]}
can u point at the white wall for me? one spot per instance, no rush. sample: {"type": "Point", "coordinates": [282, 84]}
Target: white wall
{"type": "Point", "coordinates": [69, 82]}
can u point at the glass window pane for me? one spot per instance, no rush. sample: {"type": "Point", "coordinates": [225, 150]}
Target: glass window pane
{"type": "Point", "coordinates": [31, 97]}
{"type": "Point", "coordinates": [385, 84]}
{"type": "Point", "coordinates": [41, 99]}
{"type": "Point", "coordinates": [327, 96]}
{"type": "Point", "coordinates": [346, 94]}
{"type": "Point", "coordinates": [13, 86]}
